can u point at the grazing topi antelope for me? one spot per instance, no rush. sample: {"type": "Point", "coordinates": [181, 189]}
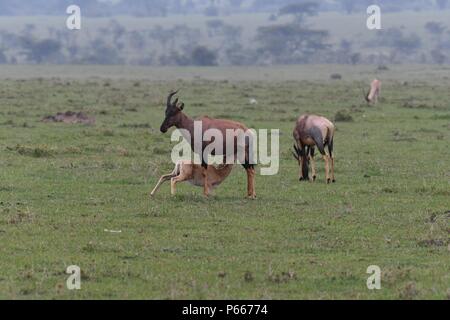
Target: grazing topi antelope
{"type": "Point", "coordinates": [313, 131]}
{"type": "Point", "coordinates": [185, 170]}
{"type": "Point", "coordinates": [374, 92]}
{"type": "Point", "coordinates": [175, 117]}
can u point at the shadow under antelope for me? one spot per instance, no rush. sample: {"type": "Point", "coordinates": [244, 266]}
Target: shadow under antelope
{"type": "Point", "coordinates": [313, 131]}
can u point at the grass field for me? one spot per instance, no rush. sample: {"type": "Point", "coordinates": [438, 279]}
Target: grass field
{"type": "Point", "coordinates": [62, 185]}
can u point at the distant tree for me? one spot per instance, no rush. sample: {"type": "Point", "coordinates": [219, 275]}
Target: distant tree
{"type": "Point", "coordinates": [236, 3]}
{"type": "Point", "coordinates": [41, 51]}
{"type": "Point", "coordinates": [436, 28]}
{"type": "Point", "coordinates": [438, 56]}
{"type": "Point", "coordinates": [214, 26]}
{"type": "Point", "coordinates": [300, 10]}
{"type": "Point", "coordinates": [3, 58]}
{"type": "Point", "coordinates": [349, 5]}
{"type": "Point", "coordinates": [174, 58]}
{"type": "Point", "coordinates": [100, 52]}
{"type": "Point", "coordinates": [401, 43]}
{"type": "Point", "coordinates": [355, 58]}
{"type": "Point", "coordinates": [291, 43]}
{"type": "Point", "coordinates": [442, 4]}
{"type": "Point", "coordinates": [202, 56]}
{"type": "Point", "coordinates": [212, 11]}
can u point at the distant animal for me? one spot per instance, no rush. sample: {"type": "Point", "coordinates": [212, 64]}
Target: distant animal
{"type": "Point", "coordinates": [185, 170]}
{"type": "Point", "coordinates": [175, 117]}
{"type": "Point", "coordinates": [374, 93]}
{"type": "Point", "coordinates": [313, 131]}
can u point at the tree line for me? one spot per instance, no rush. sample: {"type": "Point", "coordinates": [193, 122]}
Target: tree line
{"type": "Point", "coordinates": [292, 41]}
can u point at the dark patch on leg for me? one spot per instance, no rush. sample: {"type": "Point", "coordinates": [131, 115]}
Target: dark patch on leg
{"type": "Point", "coordinates": [305, 167]}
{"type": "Point", "coordinates": [331, 147]}
{"type": "Point", "coordinates": [331, 150]}
{"type": "Point", "coordinates": [316, 135]}
{"type": "Point", "coordinates": [248, 166]}
{"type": "Point", "coordinates": [311, 153]}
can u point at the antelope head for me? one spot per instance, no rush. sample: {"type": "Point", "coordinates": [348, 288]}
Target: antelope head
{"type": "Point", "coordinates": [173, 113]}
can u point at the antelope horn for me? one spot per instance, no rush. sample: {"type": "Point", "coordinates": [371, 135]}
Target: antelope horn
{"type": "Point", "coordinates": [169, 98]}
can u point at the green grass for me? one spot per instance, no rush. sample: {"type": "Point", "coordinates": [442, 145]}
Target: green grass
{"type": "Point", "coordinates": [62, 185]}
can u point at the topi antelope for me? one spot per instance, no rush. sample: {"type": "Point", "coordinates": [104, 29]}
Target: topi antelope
{"type": "Point", "coordinates": [314, 131]}
{"type": "Point", "coordinates": [175, 117]}
{"type": "Point", "coordinates": [374, 92]}
{"type": "Point", "coordinates": [185, 170]}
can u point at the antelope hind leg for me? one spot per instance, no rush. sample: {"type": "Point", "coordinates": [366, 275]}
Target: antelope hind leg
{"type": "Point", "coordinates": [173, 188]}
{"type": "Point", "coordinates": [205, 182]}
{"type": "Point", "coordinates": [251, 193]}
{"type": "Point", "coordinates": [313, 169]}
{"type": "Point", "coordinates": [327, 168]}
{"type": "Point", "coordinates": [160, 182]}
{"type": "Point", "coordinates": [333, 179]}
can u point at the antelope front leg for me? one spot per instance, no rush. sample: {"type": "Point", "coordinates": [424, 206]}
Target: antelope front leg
{"type": "Point", "coordinates": [173, 184]}
{"type": "Point", "coordinates": [313, 168]}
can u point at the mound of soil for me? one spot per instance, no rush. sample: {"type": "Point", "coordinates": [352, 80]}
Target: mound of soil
{"type": "Point", "coordinates": [70, 117]}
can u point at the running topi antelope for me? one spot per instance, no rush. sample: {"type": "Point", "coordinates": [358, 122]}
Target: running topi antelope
{"type": "Point", "coordinates": [313, 131]}
{"type": "Point", "coordinates": [175, 117]}
{"type": "Point", "coordinates": [185, 170]}
{"type": "Point", "coordinates": [374, 92]}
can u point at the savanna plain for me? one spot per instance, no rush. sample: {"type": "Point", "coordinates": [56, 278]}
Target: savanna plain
{"type": "Point", "coordinates": [65, 187]}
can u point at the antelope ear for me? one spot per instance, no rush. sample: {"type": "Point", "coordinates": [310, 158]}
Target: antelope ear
{"type": "Point", "coordinates": [181, 106]}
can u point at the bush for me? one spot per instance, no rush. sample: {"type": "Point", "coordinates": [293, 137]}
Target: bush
{"type": "Point", "coordinates": [343, 116]}
{"type": "Point", "coordinates": [41, 151]}
{"type": "Point", "coordinates": [202, 56]}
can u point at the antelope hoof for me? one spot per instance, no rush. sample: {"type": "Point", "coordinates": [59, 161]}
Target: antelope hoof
{"type": "Point", "coordinates": [314, 178]}
{"type": "Point", "coordinates": [334, 181]}
{"type": "Point", "coordinates": [328, 181]}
